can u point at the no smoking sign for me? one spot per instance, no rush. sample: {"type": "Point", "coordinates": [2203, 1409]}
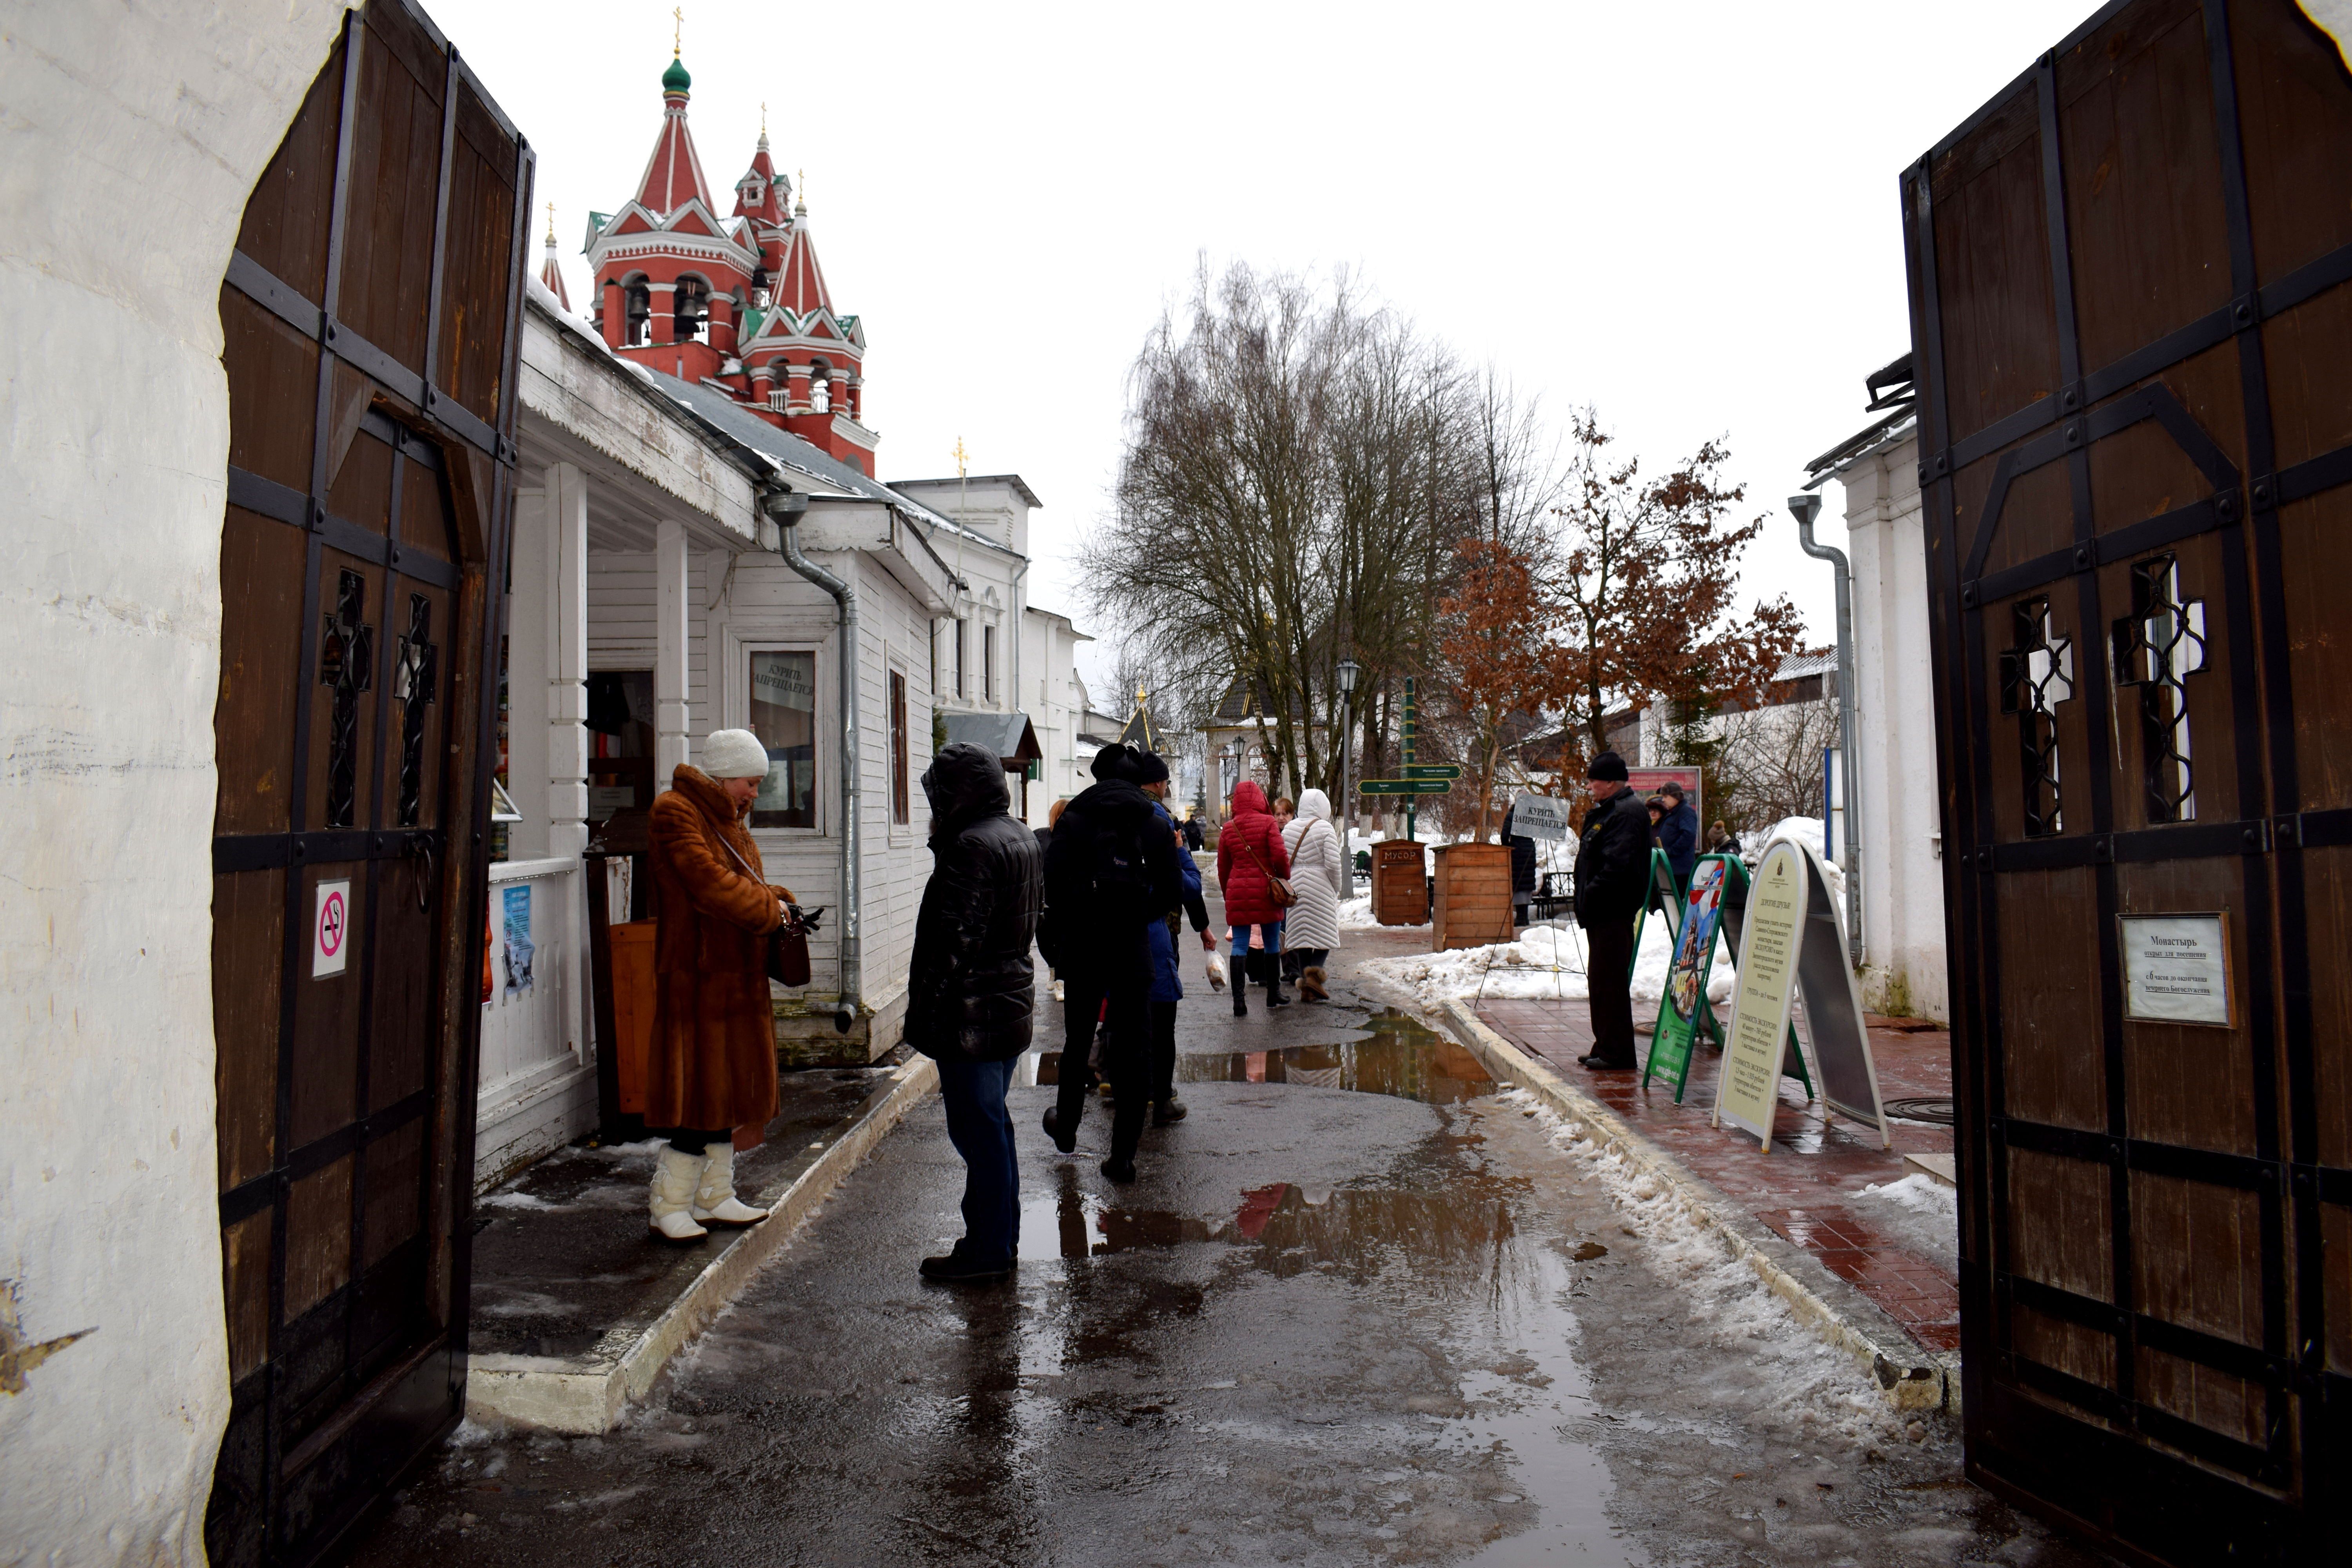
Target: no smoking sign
{"type": "Point", "coordinates": [330, 929]}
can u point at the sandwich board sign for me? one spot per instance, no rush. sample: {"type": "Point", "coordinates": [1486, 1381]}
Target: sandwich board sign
{"type": "Point", "coordinates": [1683, 1010]}
{"type": "Point", "coordinates": [1711, 907]}
{"type": "Point", "coordinates": [1793, 946]}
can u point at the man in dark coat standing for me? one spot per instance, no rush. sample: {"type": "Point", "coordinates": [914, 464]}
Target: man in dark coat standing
{"type": "Point", "coordinates": [1613, 881]}
{"type": "Point", "coordinates": [1678, 832]}
{"type": "Point", "coordinates": [970, 998]}
{"type": "Point", "coordinates": [1111, 873]}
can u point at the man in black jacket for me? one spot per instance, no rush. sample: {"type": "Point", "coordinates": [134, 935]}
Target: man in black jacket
{"type": "Point", "coordinates": [969, 997]}
{"type": "Point", "coordinates": [1613, 881]}
{"type": "Point", "coordinates": [1111, 872]}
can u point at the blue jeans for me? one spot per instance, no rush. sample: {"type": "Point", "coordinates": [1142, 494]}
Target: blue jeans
{"type": "Point", "coordinates": [1272, 935]}
{"type": "Point", "coordinates": [982, 1133]}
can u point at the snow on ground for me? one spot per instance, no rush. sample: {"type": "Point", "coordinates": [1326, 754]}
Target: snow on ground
{"type": "Point", "coordinates": [1814, 1387]}
{"type": "Point", "coordinates": [1546, 960]}
{"type": "Point", "coordinates": [1812, 832]}
{"type": "Point", "coordinates": [1356, 914]}
{"type": "Point", "coordinates": [1920, 1212]}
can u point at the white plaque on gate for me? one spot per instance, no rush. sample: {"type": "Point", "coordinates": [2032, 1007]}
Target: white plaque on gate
{"type": "Point", "coordinates": [2177, 969]}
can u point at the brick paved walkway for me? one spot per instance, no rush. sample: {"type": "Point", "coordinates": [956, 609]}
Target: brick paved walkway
{"type": "Point", "coordinates": [1802, 1189]}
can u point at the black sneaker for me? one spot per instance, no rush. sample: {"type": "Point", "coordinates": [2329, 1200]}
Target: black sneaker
{"type": "Point", "coordinates": [1067, 1143]}
{"type": "Point", "coordinates": [1166, 1110]}
{"type": "Point", "coordinates": [1119, 1171]}
{"type": "Point", "coordinates": [956, 1269]}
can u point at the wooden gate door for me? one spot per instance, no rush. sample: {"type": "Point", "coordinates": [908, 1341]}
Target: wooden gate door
{"type": "Point", "coordinates": [371, 315]}
{"type": "Point", "coordinates": [2134, 327]}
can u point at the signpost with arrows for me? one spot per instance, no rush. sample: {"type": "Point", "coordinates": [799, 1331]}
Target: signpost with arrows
{"type": "Point", "coordinates": [1420, 778]}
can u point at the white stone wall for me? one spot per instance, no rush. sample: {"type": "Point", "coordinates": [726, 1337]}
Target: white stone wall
{"type": "Point", "coordinates": [116, 411]}
{"type": "Point", "coordinates": [1903, 874]}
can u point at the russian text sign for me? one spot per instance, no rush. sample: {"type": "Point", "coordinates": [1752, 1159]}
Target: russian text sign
{"type": "Point", "coordinates": [1539, 816]}
{"type": "Point", "coordinates": [1750, 1083]}
{"type": "Point", "coordinates": [2177, 969]}
{"type": "Point", "coordinates": [1405, 786]}
{"type": "Point", "coordinates": [1433, 770]}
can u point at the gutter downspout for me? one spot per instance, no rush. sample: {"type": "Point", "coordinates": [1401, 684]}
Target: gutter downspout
{"type": "Point", "coordinates": [787, 507]}
{"type": "Point", "coordinates": [1806, 507]}
{"type": "Point", "coordinates": [1019, 620]}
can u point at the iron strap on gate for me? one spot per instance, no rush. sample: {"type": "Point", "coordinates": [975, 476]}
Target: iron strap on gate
{"type": "Point", "coordinates": [2106, 1452]}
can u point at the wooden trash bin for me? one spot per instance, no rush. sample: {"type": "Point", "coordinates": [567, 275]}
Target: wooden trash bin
{"type": "Point", "coordinates": [633, 1008]}
{"type": "Point", "coordinates": [1399, 883]}
{"type": "Point", "coordinates": [1474, 896]}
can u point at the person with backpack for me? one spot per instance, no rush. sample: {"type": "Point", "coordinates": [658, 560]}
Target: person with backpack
{"type": "Point", "coordinates": [1251, 868]}
{"type": "Point", "coordinates": [1111, 873]}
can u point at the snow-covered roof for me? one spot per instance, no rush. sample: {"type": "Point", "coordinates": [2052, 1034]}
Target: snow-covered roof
{"type": "Point", "coordinates": [1804, 664]}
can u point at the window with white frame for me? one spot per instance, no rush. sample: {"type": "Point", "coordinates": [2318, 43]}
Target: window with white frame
{"type": "Point", "coordinates": [783, 687]}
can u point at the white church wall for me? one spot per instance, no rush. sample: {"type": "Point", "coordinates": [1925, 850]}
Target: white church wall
{"type": "Point", "coordinates": [109, 1178]}
{"type": "Point", "coordinates": [1902, 875]}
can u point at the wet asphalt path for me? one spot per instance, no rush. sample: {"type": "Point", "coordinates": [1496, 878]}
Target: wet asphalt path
{"type": "Point", "coordinates": [1358, 1309]}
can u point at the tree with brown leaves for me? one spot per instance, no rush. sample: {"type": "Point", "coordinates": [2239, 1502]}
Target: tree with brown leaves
{"type": "Point", "coordinates": [1499, 654]}
{"type": "Point", "coordinates": [1645, 572]}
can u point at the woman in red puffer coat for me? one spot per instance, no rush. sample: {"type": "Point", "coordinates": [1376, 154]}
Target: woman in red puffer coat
{"type": "Point", "coordinates": [1249, 855]}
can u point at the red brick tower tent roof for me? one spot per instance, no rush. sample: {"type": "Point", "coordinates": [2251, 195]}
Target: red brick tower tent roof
{"type": "Point", "coordinates": [739, 305]}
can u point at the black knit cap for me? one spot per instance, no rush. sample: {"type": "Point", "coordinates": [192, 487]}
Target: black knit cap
{"type": "Point", "coordinates": [1607, 767]}
{"type": "Point", "coordinates": [1142, 767]}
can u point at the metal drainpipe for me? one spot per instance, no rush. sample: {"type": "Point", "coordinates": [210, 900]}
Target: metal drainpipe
{"type": "Point", "coordinates": [787, 508]}
{"type": "Point", "coordinates": [1806, 507]}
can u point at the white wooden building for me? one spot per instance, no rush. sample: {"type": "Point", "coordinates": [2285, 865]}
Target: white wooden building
{"type": "Point", "coordinates": [650, 601]}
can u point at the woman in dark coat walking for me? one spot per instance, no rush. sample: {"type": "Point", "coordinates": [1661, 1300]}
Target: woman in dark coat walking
{"type": "Point", "coordinates": [1249, 855]}
{"type": "Point", "coordinates": [710, 1067]}
{"type": "Point", "coordinates": [971, 991]}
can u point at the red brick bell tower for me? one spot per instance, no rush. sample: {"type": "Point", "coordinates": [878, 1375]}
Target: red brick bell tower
{"type": "Point", "coordinates": [738, 305]}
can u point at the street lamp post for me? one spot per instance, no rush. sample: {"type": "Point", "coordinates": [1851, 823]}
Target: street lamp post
{"type": "Point", "coordinates": [1348, 672]}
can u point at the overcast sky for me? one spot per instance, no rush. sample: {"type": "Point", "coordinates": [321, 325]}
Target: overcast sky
{"type": "Point", "coordinates": [1685, 214]}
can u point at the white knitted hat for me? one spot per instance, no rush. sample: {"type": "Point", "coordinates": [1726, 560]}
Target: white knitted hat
{"type": "Point", "coordinates": [734, 754]}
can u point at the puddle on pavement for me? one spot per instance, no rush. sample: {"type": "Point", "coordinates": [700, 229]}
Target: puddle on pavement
{"type": "Point", "coordinates": [1294, 1228]}
{"type": "Point", "coordinates": [1395, 1054]}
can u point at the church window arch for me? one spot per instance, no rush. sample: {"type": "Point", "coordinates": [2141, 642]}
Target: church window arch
{"type": "Point", "coordinates": [820, 385]}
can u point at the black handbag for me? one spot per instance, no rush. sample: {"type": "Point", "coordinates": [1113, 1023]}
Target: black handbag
{"type": "Point", "coordinates": [788, 954]}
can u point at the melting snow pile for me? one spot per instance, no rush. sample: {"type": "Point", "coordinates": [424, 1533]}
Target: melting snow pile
{"type": "Point", "coordinates": [1920, 1212]}
{"type": "Point", "coordinates": [1356, 914]}
{"type": "Point", "coordinates": [1546, 961]}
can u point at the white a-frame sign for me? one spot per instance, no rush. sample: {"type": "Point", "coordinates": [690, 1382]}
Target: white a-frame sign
{"type": "Point", "coordinates": [1794, 944]}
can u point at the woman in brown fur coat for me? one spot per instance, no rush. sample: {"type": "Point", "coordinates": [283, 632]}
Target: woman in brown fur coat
{"type": "Point", "coordinates": [712, 1065]}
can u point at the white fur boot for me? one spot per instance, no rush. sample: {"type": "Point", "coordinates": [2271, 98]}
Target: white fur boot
{"type": "Point", "coordinates": [675, 1174]}
{"type": "Point", "coordinates": [714, 1201]}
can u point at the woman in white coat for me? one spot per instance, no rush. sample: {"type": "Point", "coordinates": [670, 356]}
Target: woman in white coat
{"type": "Point", "coordinates": [1310, 928]}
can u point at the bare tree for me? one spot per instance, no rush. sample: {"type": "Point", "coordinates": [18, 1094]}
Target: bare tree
{"type": "Point", "coordinates": [1289, 478]}
{"type": "Point", "coordinates": [1768, 763]}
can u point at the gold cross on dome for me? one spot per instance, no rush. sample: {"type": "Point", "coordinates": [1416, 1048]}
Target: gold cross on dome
{"type": "Point", "coordinates": [764, 118]}
{"type": "Point", "coordinates": [962, 456]}
{"type": "Point", "coordinates": [550, 223]}
{"type": "Point", "coordinates": [678, 37]}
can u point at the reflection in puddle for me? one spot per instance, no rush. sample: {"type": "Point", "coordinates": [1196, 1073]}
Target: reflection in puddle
{"type": "Point", "coordinates": [1294, 1228]}
{"type": "Point", "coordinates": [1396, 1056]}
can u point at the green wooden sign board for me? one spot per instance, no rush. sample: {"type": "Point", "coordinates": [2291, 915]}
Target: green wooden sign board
{"type": "Point", "coordinates": [1433, 770]}
{"type": "Point", "coordinates": [1405, 786]}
